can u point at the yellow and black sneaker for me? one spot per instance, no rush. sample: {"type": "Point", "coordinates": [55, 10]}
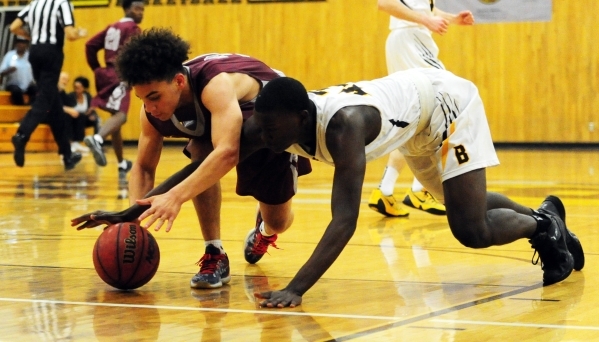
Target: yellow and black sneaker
{"type": "Point", "coordinates": [423, 200]}
{"type": "Point", "coordinates": [386, 205]}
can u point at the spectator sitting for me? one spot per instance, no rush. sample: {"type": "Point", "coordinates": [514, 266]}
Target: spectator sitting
{"type": "Point", "coordinates": [80, 114]}
{"type": "Point", "coordinates": [17, 70]}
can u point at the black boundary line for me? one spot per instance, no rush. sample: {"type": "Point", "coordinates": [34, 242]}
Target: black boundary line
{"type": "Point", "coordinates": [434, 314]}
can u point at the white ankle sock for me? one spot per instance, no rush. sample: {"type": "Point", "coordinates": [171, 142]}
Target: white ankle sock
{"type": "Point", "coordinates": [123, 164]}
{"type": "Point", "coordinates": [416, 186]}
{"type": "Point", "coordinates": [263, 230]}
{"type": "Point", "coordinates": [388, 182]}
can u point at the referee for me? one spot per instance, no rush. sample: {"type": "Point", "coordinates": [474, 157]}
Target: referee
{"type": "Point", "coordinates": [49, 21]}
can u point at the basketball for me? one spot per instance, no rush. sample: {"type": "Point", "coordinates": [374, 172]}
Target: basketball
{"type": "Point", "coordinates": [126, 256]}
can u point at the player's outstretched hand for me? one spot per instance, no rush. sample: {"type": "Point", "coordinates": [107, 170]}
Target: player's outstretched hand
{"type": "Point", "coordinates": [163, 210]}
{"type": "Point", "coordinates": [278, 299]}
{"type": "Point", "coordinates": [99, 217]}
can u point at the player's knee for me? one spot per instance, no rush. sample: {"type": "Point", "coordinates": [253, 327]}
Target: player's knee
{"type": "Point", "coordinates": [278, 225]}
{"type": "Point", "coordinates": [471, 235]}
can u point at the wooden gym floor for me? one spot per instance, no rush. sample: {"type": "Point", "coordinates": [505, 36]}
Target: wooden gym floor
{"type": "Point", "coordinates": [404, 279]}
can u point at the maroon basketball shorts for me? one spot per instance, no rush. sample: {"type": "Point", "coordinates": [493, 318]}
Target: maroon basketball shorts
{"type": "Point", "coordinates": [271, 177]}
{"type": "Point", "coordinates": [112, 95]}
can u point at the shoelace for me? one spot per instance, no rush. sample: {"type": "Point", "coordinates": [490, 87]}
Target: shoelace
{"type": "Point", "coordinates": [209, 263]}
{"type": "Point", "coordinates": [535, 262]}
{"type": "Point", "coordinates": [262, 242]}
{"type": "Point", "coordinates": [544, 252]}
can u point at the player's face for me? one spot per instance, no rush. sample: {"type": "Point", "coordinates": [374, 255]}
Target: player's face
{"type": "Point", "coordinates": [136, 11]}
{"type": "Point", "coordinates": [278, 129]}
{"type": "Point", "coordinates": [160, 98]}
{"type": "Point", "coordinates": [78, 87]}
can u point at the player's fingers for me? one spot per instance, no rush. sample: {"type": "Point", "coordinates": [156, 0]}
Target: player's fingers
{"type": "Point", "coordinates": [159, 224]}
{"type": "Point", "coordinates": [79, 219]}
{"type": "Point", "coordinates": [145, 214]}
{"type": "Point", "coordinates": [169, 225]}
{"type": "Point", "coordinates": [144, 201]}
{"type": "Point", "coordinates": [262, 295]}
{"type": "Point", "coordinates": [150, 222]}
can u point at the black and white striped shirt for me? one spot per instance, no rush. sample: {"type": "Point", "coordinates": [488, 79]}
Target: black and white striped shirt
{"type": "Point", "coordinates": [47, 19]}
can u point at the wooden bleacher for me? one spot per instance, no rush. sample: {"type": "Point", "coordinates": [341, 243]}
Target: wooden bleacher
{"type": "Point", "coordinates": [41, 140]}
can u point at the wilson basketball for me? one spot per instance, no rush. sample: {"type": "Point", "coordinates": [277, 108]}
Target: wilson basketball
{"type": "Point", "coordinates": [126, 256]}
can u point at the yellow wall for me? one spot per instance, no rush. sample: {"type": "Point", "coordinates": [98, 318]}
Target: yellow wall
{"type": "Point", "coordinates": [538, 80]}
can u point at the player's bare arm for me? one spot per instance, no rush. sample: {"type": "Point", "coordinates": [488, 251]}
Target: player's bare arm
{"type": "Point", "coordinates": [149, 148]}
{"type": "Point", "coordinates": [461, 18]}
{"type": "Point", "coordinates": [16, 28]}
{"type": "Point", "coordinates": [347, 135]}
{"type": "Point", "coordinates": [140, 182]}
{"type": "Point", "coordinates": [220, 97]}
{"type": "Point", "coordinates": [397, 9]}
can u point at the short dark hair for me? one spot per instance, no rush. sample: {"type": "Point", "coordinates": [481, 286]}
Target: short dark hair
{"type": "Point", "coordinates": [156, 54]}
{"type": "Point", "coordinates": [126, 4]}
{"type": "Point", "coordinates": [282, 93]}
{"type": "Point", "coordinates": [83, 80]}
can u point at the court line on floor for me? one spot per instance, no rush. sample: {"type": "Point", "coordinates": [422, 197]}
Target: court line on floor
{"type": "Point", "coordinates": [520, 325]}
{"type": "Point", "coordinates": [419, 318]}
{"type": "Point", "coordinates": [187, 308]}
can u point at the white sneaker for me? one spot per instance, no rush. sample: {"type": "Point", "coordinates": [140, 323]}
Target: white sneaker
{"type": "Point", "coordinates": [77, 147]}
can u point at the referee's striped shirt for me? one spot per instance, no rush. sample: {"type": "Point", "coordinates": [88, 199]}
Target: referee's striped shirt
{"type": "Point", "coordinates": [47, 19]}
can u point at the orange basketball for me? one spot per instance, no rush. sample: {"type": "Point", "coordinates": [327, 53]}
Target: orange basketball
{"type": "Point", "coordinates": [126, 256]}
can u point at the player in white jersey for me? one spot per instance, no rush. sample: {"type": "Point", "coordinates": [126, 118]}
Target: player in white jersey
{"type": "Point", "coordinates": [438, 122]}
{"type": "Point", "coordinates": [410, 45]}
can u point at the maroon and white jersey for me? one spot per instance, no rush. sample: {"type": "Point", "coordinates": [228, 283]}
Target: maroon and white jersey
{"type": "Point", "coordinates": [200, 70]}
{"type": "Point", "coordinates": [110, 39]}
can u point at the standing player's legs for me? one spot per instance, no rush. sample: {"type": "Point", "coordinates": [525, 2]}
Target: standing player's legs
{"type": "Point", "coordinates": [405, 49]}
{"type": "Point", "coordinates": [46, 62]}
{"type": "Point", "coordinates": [117, 104]}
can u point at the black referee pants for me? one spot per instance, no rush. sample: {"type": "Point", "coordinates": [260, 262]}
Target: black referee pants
{"type": "Point", "coordinates": [46, 63]}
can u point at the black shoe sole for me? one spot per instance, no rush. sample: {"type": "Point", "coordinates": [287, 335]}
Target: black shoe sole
{"type": "Point", "coordinates": [407, 201]}
{"type": "Point", "coordinates": [379, 207]}
{"type": "Point", "coordinates": [574, 245]}
{"type": "Point", "coordinates": [561, 245]}
{"type": "Point", "coordinates": [72, 162]}
{"type": "Point", "coordinates": [19, 154]}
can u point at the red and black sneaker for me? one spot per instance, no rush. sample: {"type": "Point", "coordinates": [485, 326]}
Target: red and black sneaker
{"type": "Point", "coordinates": [214, 270]}
{"type": "Point", "coordinates": [256, 244]}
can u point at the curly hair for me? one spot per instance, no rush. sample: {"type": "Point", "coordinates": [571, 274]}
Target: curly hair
{"type": "Point", "coordinates": [156, 54]}
{"type": "Point", "coordinates": [126, 4]}
{"type": "Point", "coordinates": [83, 80]}
{"type": "Point", "coordinates": [282, 93]}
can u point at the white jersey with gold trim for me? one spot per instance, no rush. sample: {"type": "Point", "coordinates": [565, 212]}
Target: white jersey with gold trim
{"type": "Point", "coordinates": [434, 118]}
{"type": "Point", "coordinates": [396, 98]}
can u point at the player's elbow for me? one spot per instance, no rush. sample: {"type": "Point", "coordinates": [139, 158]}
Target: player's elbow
{"type": "Point", "coordinates": [349, 228]}
{"type": "Point", "coordinates": [230, 156]}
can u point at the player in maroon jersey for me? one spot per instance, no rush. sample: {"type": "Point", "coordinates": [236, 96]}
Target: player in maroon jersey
{"type": "Point", "coordinates": [112, 95]}
{"type": "Point", "coordinates": [206, 100]}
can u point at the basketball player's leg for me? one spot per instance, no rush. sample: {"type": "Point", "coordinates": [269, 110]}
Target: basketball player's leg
{"type": "Point", "coordinates": [480, 219]}
{"type": "Point", "coordinates": [277, 218]}
{"type": "Point", "coordinates": [117, 104]}
{"type": "Point", "coordinates": [214, 264]}
{"type": "Point", "coordinates": [272, 179]}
